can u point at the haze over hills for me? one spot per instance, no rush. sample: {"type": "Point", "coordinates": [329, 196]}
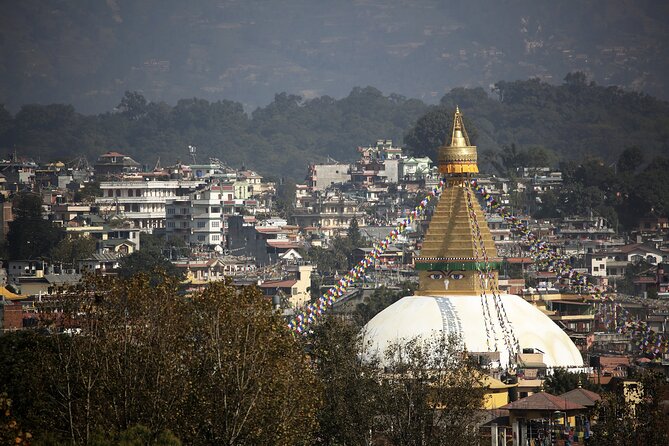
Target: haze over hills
{"type": "Point", "coordinates": [88, 53]}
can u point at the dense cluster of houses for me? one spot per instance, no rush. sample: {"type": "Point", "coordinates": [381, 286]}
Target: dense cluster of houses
{"type": "Point", "coordinates": [226, 222]}
{"type": "Point", "coordinates": [222, 222]}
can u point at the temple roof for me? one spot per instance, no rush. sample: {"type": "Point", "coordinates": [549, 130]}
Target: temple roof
{"type": "Point", "coordinates": [543, 401]}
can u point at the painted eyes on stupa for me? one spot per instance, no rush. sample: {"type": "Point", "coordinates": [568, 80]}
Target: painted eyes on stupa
{"type": "Point", "coordinates": [441, 276]}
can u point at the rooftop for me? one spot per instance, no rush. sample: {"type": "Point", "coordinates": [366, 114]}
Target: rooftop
{"type": "Point", "coordinates": [543, 401]}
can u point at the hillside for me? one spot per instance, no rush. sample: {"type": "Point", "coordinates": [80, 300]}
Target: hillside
{"type": "Point", "coordinates": [569, 121]}
{"type": "Point", "coordinates": [88, 53]}
{"type": "Point", "coordinates": [574, 120]}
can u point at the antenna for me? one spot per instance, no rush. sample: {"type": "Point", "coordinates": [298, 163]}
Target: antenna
{"type": "Point", "coordinates": [192, 151]}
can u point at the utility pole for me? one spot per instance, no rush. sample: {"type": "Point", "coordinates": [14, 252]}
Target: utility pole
{"type": "Point", "coordinates": [192, 151]}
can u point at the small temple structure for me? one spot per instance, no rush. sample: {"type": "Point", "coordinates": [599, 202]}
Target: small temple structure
{"type": "Point", "coordinates": [458, 281]}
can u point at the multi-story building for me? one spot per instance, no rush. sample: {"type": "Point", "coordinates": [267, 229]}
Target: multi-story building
{"type": "Point", "coordinates": [412, 169]}
{"type": "Point", "coordinates": [114, 163]}
{"type": "Point", "coordinates": [253, 181]}
{"type": "Point", "coordinates": [331, 215]}
{"type": "Point", "coordinates": [142, 201]}
{"type": "Point", "coordinates": [322, 176]}
{"type": "Point", "coordinates": [265, 243]}
{"type": "Point", "coordinates": [196, 218]}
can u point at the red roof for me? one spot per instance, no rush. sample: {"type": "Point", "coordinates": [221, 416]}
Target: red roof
{"type": "Point", "coordinates": [269, 229]}
{"type": "Point", "coordinates": [543, 401]}
{"type": "Point", "coordinates": [111, 154]}
{"type": "Point", "coordinates": [278, 284]}
{"type": "Point", "coordinates": [519, 260]}
{"type": "Point", "coordinates": [283, 244]}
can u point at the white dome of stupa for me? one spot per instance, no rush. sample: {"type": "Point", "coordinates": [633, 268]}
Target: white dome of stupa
{"type": "Point", "coordinates": [435, 316]}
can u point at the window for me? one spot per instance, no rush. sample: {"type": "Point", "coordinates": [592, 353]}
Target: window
{"type": "Point", "coordinates": [215, 238]}
{"type": "Point", "coordinates": [170, 224]}
{"type": "Point", "coordinates": [170, 211]}
{"type": "Point", "coordinates": [215, 224]}
{"type": "Point", "coordinates": [110, 193]}
{"type": "Point", "coordinates": [215, 210]}
{"type": "Point", "coordinates": [201, 224]}
{"type": "Point", "coordinates": [118, 192]}
{"type": "Point", "coordinates": [595, 269]}
{"type": "Point", "coordinates": [200, 238]}
{"type": "Point", "coordinates": [131, 192]}
{"type": "Point", "coordinates": [184, 210]}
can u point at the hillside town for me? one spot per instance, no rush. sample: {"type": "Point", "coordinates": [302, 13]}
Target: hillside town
{"type": "Point", "coordinates": [216, 222]}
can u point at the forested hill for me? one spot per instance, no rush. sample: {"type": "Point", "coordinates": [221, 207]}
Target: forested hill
{"type": "Point", "coordinates": [280, 139]}
{"type": "Point", "coordinates": [572, 120]}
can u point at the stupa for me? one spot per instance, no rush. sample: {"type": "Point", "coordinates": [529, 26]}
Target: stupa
{"type": "Point", "coordinates": [458, 280]}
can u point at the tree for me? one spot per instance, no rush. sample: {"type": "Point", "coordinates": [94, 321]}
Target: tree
{"type": "Point", "coordinates": [10, 430]}
{"type": "Point", "coordinates": [380, 299]}
{"type": "Point", "coordinates": [73, 248]}
{"type": "Point", "coordinates": [350, 408]}
{"type": "Point", "coordinates": [30, 236]}
{"type": "Point", "coordinates": [431, 393]}
{"type": "Point", "coordinates": [353, 234]}
{"type": "Point", "coordinates": [630, 160]}
{"type": "Point", "coordinates": [562, 381]}
{"type": "Point", "coordinates": [285, 197]}
{"type": "Point", "coordinates": [136, 436]}
{"type": "Point", "coordinates": [633, 414]}
{"type": "Point", "coordinates": [133, 105]}
{"type": "Point", "coordinates": [218, 367]}
{"type": "Point", "coordinates": [254, 384]}
{"type": "Point", "coordinates": [149, 262]}
{"type": "Point", "coordinates": [88, 193]}
{"type": "Point", "coordinates": [430, 132]}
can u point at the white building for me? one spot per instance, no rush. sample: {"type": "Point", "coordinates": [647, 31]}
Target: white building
{"type": "Point", "coordinates": [142, 201]}
{"type": "Point", "coordinates": [322, 176]}
{"type": "Point", "coordinates": [197, 218]}
{"type": "Point", "coordinates": [414, 168]}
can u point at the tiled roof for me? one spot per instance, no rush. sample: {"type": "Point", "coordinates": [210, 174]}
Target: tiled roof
{"type": "Point", "coordinates": [543, 401]}
{"type": "Point", "coordinates": [582, 396]}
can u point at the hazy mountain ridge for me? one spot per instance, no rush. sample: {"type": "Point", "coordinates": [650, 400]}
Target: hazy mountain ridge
{"type": "Point", "coordinates": [88, 54]}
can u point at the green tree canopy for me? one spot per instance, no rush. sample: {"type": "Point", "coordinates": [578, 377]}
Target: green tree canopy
{"type": "Point", "coordinates": [30, 236]}
{"type": "Point", "coordinates": [218, 367]}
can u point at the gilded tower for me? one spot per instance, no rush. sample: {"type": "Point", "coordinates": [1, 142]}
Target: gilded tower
{"type": "Point", "coordinates": [458, 254]}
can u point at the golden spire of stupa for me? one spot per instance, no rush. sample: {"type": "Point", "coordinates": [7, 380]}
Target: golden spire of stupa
{"type": "Point", "coordinates": [459, 156]}
{"type": "Point", "coordinates": [458, 243]}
